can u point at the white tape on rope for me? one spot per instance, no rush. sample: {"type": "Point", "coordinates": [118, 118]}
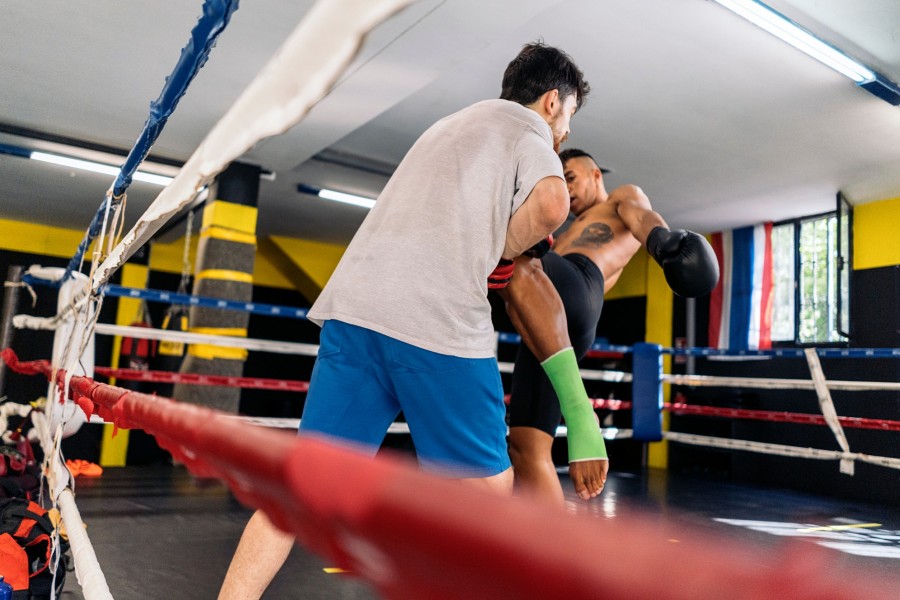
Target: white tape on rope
{"type": "Point", "coordinates": [300, 74]}
{"type": "Point", "coordinates": [87, 568]}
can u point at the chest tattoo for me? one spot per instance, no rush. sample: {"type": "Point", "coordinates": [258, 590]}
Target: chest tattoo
{"type": "Point", "coordinates": [594, 235]}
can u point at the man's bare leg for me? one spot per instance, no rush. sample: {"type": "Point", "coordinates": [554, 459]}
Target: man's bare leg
{"type": "Point", "coordinates": [502, 483]}
{"type": "Point", "coordinates": [260, 553]}
{"type": "Point", "coordinates": [264, 548]}
{"type": "Point", "coordinates": [535, 473]}
{"type": "Point", "coordinates": [538, 314]}
{"type": "Point", "coordinates": [535, 309]}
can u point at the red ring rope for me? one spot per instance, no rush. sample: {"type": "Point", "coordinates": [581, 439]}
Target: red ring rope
{"type": "Point", "coordinates": [258, 383]}
{"type": "Point", "coordinates": [780, 417]}
{"type": "Point", "coordinates": [413, 535]}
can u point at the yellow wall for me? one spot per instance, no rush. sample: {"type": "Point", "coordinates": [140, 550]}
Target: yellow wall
{"type": "Point", "coordinates": [875, 229]}
{"type": "Point", "coordinates": [632, 282]}
{"type": "Point", "coordinates": [659, 331]}
{"type": "Point", "coordinates": [317, 259]}
{"type": "Point", "coordinates": [45, 240]}
{"type": "Point", "coordinates": [20, 236]}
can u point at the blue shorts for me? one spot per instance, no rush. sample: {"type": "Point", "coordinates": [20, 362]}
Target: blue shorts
{"type": "Point", "coordinates": [454, 406]}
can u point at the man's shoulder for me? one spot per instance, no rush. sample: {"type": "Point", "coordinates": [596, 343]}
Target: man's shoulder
{"type": "Point", "coordinates": [497, 107]}
{"type": "Point", "coordinates": [496, 115]}
{"type": "Point", "coordinates": [601, 211]}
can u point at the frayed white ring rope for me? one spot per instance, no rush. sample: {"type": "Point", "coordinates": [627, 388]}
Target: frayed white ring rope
{"type": "Point", "coordinates": [300, 74]}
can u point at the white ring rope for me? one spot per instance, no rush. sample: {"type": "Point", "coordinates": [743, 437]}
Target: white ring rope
{"type": "Point", "coordinates": [278, 347]}
{"type": "Point", "coordinates": [609, 433]}
{"type": "Point", "coordinates": [778, 449]}
{"type": "Point", "coordinates": [592, 375]}
{"type": "Point", "coordinates": [87, 568]}
{"type": "Point", "coordinates": [778, 384]}
{"type": "Point", "coordinates": [187, 337]}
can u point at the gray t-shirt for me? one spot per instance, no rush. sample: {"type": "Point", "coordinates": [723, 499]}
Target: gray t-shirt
{"type": "Point", "coordinates": [417, 268]}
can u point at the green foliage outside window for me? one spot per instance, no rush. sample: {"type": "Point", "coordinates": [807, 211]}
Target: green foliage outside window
{"type": "Point", "coordinates": [811, 280]}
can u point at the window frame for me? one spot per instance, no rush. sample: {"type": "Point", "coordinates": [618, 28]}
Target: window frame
{"type": "Point", "coordinates": [840, 262]}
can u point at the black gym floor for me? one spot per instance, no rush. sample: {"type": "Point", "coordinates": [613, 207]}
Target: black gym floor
{"type": "Point", "coordinates": [160, 533]}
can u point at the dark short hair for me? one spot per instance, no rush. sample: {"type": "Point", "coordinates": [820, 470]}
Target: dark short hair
{"type": "Point", "coordinates": [570, 153]}
{"type": "Point", "coordinates": [539, 68]}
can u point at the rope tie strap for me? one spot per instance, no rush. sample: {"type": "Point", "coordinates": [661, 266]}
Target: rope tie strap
{"type": "Point", "coordinates": [23, 284]}
{"type": "Point", "coordinates": [827, 407]}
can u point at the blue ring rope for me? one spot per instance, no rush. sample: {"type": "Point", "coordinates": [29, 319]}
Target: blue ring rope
{"type": "Point", "coordinates": [292, 312]}
{"type": "Point", "coordinates": [216, 14]}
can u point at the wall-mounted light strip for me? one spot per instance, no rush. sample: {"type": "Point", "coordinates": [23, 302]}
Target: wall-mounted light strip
{"type": "Point", "coordinates": [336, 196]}
{"type": "Point", "coordinates": [785, 29]}
{"type": "Point", "coordinates": [95, 167]}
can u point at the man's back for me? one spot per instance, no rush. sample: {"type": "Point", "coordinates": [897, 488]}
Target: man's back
{"type": "Point", "coordinates": [452, 195]}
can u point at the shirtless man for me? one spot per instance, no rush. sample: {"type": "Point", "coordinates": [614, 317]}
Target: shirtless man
{"type": "Point", "coordinates": [586, 261]}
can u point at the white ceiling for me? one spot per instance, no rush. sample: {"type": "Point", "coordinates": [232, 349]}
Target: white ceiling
{"type": "Point", "coordinates": [722, 124]}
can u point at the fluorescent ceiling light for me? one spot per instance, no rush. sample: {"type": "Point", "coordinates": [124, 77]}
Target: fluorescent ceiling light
{"type": "Point", "coordinates": [336, 196]}
{"type": "Point", "coordinates": [347, 198]}
{"type": "Point", "coordinates": [95, 167]}
{"type": "Point", "coordinates": [782, 27]}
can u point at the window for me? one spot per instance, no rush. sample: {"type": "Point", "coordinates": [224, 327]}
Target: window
{"type": "Point", "coordinates": [783, 282]}
{"type": "Point", "coordinates": [811, 280]}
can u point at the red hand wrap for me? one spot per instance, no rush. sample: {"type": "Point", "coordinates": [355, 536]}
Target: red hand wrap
{"type": "Point", "coordinates": [500, 276]}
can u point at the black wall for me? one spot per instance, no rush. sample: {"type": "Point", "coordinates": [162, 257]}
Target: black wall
{"type": "Point", "coordinates": [875, 322]}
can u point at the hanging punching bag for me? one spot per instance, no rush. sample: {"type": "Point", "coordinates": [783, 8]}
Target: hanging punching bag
{"type": "Point", "coordinates": [170, 354]}
{"type": "Point", "coordinates": [136, 353]}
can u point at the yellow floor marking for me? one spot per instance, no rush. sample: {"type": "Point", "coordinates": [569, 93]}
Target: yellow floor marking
{"type": "Point", "coordinates": [840, 527]}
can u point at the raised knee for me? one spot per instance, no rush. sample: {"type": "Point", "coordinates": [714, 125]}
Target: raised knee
{"type": "Point", "coordinates": [526, 273]}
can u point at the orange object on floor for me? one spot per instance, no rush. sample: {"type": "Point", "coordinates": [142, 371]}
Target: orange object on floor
{"type": "Point", "coordinates": [82, 467]}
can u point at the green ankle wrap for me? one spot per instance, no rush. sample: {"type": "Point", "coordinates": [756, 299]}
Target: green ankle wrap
{"type": "Point", "coordinates": [585, 440]}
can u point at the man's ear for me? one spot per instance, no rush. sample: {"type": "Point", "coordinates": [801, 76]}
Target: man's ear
{"type": "Point", "coordinates": [550, 101]}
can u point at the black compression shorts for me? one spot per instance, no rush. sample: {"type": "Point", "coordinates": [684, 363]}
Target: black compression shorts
{"type": "Point", "coordinates": [579, 281]}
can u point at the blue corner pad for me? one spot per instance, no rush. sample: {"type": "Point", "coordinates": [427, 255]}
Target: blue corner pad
{"type": "Point", "coordinates": [646, 392]}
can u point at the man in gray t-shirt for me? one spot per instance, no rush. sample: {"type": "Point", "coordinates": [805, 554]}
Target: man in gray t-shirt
{"type": "Point", "coordinates": [406, 323]}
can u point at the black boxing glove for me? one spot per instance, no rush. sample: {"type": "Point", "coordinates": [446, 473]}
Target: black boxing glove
{"type": "Point", "coordinates": [502, 273]}
{"type": "Point", "coordinates": [541, 248]}
{"type": "Point", "coordinates": [687, 259]}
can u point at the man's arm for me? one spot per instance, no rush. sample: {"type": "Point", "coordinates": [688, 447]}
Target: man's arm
{"type": "Point", "coordinates": [687, 259]}
{"type": "Point", "coordinates": [543, 211]}
{"type": "Point", "coordinates": [633, 207]}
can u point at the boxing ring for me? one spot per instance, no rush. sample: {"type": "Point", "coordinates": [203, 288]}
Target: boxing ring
{"type": "Point", "coordinates": [279, 477]}
{"type": "Point", "coordinates": [401, 529]}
